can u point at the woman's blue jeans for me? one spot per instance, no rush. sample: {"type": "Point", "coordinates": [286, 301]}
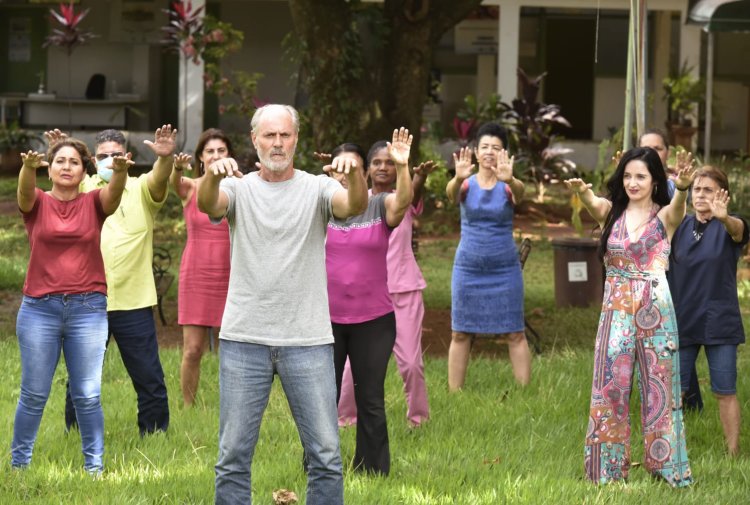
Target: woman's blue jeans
{"type": "Point", "coordinates": [77, 325]}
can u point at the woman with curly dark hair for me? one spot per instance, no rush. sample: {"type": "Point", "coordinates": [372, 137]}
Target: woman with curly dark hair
{"type": "Point", "coordinates": [64, 306]}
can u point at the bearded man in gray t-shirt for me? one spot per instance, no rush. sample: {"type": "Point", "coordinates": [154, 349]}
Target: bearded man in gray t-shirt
{"type": "Point", "coordinates": [276, 318]}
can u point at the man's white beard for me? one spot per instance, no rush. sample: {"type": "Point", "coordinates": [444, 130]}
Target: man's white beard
{"type": "Point", "coordinates": [274, 166]}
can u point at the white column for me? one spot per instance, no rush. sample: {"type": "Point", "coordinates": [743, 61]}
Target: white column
{"type": "Point", "coordinates": [507, 54]}
{"type": "Point", "coordinates": [190, 99]}
{"type": "Point", "coordinates": [662, 37]}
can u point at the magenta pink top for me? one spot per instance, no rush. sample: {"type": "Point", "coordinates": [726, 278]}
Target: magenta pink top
{"type": "Point", "coordinates": [403, 272]}
{"type": "Point", "coordinates": [204, 269]}
{"type": "Point", "coordinates": [64, 238]}
{"type": "Point", "coordinates": [356, 264]}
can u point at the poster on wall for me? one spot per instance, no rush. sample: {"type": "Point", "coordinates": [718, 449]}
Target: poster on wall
{"type": "Point", "coordinates": [19, 40]}
{"type": "Point", "coordinates": [137, 21]}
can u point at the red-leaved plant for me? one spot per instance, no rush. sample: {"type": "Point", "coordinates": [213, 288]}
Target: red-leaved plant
{"type": "Point", "coordinates": [70, 34]}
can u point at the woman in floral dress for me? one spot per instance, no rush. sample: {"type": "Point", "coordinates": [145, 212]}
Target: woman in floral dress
{"type": "Point", "coordinates": [637, 326]}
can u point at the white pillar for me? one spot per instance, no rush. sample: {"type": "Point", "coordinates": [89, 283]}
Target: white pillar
{"type": "Point", "coordinates": [190, 99]}
{"type": "Point", "coordinates": [662, 37]}
{"type": "Point", "coordinates": [507, 54]}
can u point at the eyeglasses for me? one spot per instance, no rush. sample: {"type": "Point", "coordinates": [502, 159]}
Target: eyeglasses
{"type": "Point", "coordinates": [104, 156]}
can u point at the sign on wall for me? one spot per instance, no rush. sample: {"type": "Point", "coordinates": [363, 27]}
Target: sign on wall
{"type": "Point", "coordinates": [19, 40]}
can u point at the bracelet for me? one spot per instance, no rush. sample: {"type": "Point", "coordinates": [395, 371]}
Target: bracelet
{"type": "Point", "coordinates": [680, 189]}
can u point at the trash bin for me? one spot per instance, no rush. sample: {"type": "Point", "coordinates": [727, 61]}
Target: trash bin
{"type": "Point", "coordinates": [579, 276]}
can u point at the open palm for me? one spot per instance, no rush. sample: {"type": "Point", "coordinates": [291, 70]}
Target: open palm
{"type": "Point", "coordinates": [400, 147]}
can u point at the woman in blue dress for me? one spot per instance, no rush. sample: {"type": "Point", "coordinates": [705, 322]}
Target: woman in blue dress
{"type": "Point", "coordinates": [703, 280]}
{"type": "Point", "coordinates": [487, 285]}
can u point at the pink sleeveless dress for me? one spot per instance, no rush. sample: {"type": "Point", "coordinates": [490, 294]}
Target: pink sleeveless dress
{"type": "Point", "coordinates": [204, 269]}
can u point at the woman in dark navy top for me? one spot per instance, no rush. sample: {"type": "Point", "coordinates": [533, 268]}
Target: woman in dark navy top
{"type": "Point", "coordinates": [703, 281]}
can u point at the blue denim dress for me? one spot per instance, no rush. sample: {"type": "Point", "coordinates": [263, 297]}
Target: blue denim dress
{"type": "Point", "coordinates": [487, 284]}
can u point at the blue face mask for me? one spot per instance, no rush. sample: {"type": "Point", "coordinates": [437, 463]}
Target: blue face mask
{"type": "Point", "coordinates": [104, 168]}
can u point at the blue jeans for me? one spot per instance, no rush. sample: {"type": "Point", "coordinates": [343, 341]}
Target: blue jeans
{"type": "Point", "coordinates": [77, 325]}
{"type": "Point", "coordinates": [246, 373]}
{"type": "Point", "coordinates": [135, 334]}
{"type": "Point", "coordinates": [722, 366]}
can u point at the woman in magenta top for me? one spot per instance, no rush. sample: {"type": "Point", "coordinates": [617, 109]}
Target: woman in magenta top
{"type": "Point", "coordinates": [405, 285]}
{"type": "Point", "coordinates": [64, 305]}
{"type": "Point", "coordinates": [204, 268]}
{"type": "Point", "coordinates": [364, 325]}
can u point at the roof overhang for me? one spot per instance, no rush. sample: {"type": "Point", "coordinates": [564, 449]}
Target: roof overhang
{"type": "Point", "coordinates": [720, 15]}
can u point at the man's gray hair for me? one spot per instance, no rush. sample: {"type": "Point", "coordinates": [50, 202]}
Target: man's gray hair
{"type": "Point", "coordinates": [262, 110]}
{"type": "Point", "coordinates": [110, 136]}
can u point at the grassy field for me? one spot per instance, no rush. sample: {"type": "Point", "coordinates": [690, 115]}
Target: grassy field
{"type": "Point", "coordinates": [492, 443]}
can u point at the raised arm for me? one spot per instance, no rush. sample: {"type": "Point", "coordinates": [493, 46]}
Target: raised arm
{"type": "Point", "coordinates": [503, 170]}
{"type": "Point", "coordinates": [397, 203]}
{"type": "Point", "coordinates": [183, 186]}
{"type": "Point", "coordinates": [673, 214]}
{"type": "Point", "coordinates": [163, 146]}
{"type": "Point", "coordinates": [26, 192]}
{"type": "Point", "coordinates": [111, 194]}
{"type": "Point", "coordinates": [211, 200]}
{"type": "Point", "coordinates": [353, 201]}
{"type": "Point", "coordinates": [597, 206]}
{"type": "Point", "coordinates": [464, 169]}
{"type": "Point", "coordinates": [421, 172]}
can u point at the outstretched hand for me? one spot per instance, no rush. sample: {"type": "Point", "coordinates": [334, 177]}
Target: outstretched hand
{"type": "Point", "coordinates": [122, 163]}
{"type": "Point", "coordinates": [720, 205]}
{"type": "Point", "coordinates": [463, 164]}
{"type": "Point", "coordinates": [224, 167]}
{"type": "Point", "coordinates": [322, 157]}
{"type": "Point", "coordinates": [617, 157]}
{"type": "Point", "coordinates": [503, 168]}
{"type": "Point", "coordinates": [400, 146]}
{"type": "Point", "coordinates": [182, 161]}
{"type": "Point", "coordinates": [577, 186]}
{"type": "Point", "coordinates": [54, 136]}
{"type": "Point", "coordinates": [685, 170]}
{"type": "Point", "coordinates": [33, 160]}
{"type": "Point", "coordinates": [165, 141]}
{"type": "Point", "coordinates": [341, 164]}
{"type": "Point", "coordinates": [424, 169]}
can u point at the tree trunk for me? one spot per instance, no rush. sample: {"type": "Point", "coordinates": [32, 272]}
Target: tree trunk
{"type": "Point", "coordinates": [361, 93]}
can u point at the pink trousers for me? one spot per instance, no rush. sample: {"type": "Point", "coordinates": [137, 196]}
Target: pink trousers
{"type": "Point", "coordinates": [409, 311]}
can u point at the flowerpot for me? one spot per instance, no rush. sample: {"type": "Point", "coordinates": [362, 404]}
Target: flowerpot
{"type": "Point", "coordinates": [683, 135]}
{"type": "Point", "coordinates": [10, 162]}
{"type": "Point", "coordinates": [579, 276]}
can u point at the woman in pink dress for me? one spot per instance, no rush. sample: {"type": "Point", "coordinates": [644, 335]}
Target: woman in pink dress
{"type": "Point", "coordinates": [204, 268]}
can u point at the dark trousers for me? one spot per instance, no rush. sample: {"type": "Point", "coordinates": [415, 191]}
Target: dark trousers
{"type": "Point", "coordinates": [135, 334]}
{"type": "Point", "coordinates": [368, 346]}
{"type": "Point", "coordinates": [692, 397]}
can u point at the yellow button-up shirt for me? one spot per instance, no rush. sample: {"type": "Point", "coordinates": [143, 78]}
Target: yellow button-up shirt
{"type": "Point", "coordinates": [127, 245]}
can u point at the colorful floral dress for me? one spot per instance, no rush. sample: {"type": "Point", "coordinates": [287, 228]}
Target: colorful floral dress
{"type": "Point", "coordinates": [637, 331]}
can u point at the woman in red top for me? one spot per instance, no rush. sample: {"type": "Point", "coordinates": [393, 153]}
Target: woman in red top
{"type": "Point", "coordinates": [204, 268]}
{"type": "Point", "coordinates": [64, 305]}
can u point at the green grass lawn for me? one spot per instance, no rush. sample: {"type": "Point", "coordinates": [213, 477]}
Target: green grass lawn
{"type": "Point", "coordinates": [492, 443]}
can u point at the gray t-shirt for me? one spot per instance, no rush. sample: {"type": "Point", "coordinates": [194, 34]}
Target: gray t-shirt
{"type": "Point", "coordinates": [277, 284]}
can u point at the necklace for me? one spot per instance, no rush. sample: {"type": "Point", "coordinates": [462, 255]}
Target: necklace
{"type": "Point", "coordinates": [699, 228]}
